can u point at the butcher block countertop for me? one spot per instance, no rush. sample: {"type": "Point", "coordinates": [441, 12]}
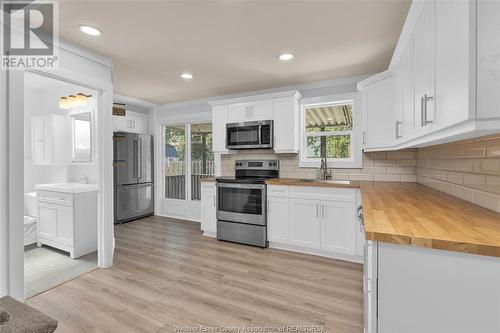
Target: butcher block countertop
{"type": "Point", "coordinates": [208, 179]}
{"type": "Point", "coordinates": [414, 214]}
{"type": "Point", "coordinates": [313, 182]}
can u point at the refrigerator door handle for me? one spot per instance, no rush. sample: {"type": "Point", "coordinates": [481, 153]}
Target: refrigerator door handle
{"type": "Point", "coordinates": [136, 151]}
{"type": "Point", "coordinates": [139, 158]}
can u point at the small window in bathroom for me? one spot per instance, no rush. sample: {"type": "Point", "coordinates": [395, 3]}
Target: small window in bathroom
{"type": "Point", "coordinates": [82, 137]}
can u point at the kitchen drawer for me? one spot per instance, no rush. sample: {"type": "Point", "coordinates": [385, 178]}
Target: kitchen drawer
{"type": "Point", "coordinates": [57, 198]}
{"type": "Point", "coordinates": [278, 191]}
{"type": "Point", "coordinates": [323, 193]}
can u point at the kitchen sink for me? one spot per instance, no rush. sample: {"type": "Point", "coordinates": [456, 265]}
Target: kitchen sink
{"type": "Point", "coordinates": [327, 181]}
{"type": "Point", "coordinates": [340, 182]}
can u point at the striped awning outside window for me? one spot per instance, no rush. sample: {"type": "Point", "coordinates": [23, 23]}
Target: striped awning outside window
{"type": "Point", "coordinates": [329, 115]}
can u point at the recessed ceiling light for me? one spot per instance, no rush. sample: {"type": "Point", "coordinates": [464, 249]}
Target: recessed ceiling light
{"type": "Point", "coordinates": [90, 30]}
{"type": "Point", "coordinates": [187, 76]}
{"type": "Point", "coordinates": [285, 56]}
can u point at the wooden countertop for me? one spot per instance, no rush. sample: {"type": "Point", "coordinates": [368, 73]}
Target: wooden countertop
{"type": "Point", "coordinates": [414, 214]}
{"type": "Point", "coordinates": [208, 179]}
{"type": "Point", "coordinates": [301, 182]}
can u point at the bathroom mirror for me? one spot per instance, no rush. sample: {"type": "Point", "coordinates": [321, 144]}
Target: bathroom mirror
{"type": "Point", "coordinates": [81, 125]}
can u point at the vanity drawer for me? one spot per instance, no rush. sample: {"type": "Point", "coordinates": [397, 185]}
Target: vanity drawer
{"type": "Point", "coordinates": [57, 198]}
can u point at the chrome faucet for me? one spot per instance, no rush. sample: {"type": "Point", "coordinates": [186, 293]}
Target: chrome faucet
{"type": "Point", "coordinates": [324, 174]}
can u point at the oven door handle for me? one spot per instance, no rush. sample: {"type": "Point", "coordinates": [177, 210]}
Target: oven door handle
{"type": "Point", "coordinates": [239, 185]}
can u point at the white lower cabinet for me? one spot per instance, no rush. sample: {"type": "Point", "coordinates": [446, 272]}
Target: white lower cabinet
{"type": "Point", "coordinates": [278, 211]}
{"type": "Point", "coordinates": [338, 225]}
{"type": "Point", "coordinates": [305, 223]}
{"type": "Point", "coordinates": [208, 209]}
{"type": "Point", "coordinates": [413, 290]}
{"type": "Point", "coordinates": [315, 220]}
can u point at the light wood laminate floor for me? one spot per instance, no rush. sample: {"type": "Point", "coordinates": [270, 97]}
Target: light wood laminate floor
{"type": "Point", "coordinates": [167, 275]}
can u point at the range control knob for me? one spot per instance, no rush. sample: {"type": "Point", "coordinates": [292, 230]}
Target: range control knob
{"type": "Point", "coordinates": [270, 164]}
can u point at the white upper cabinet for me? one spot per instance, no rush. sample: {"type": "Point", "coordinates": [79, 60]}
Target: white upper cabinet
{"type": "Point", "coordinates": [405, 107]}
{"type": "Point", "coordinates": [132, 122]}
{"type": "Point", "coordinates": [219, 120]}
{"type": "Point", "coordinates": [282, 108]}
{"type": "Point", "coordinates": [238, 112]}
{"type": "Point", "coordinates": [378, 108]}
{"type": "Point", "coordinates": [251, 111]}
{"type": "Point", "coordinates": [447, 77]}
{"type": "Point", "coordinates": [50, 138]}
{"type": "Point", "coordinates": [488, 59]}
{"type": "Point", "coordinates": [453, 94]}
{"type": "Point", "coordinates": [262, 110]}
{"type": "Point", "coordinates": [286, 124]}
{"type": "Point", "coordinates": [423, 49]}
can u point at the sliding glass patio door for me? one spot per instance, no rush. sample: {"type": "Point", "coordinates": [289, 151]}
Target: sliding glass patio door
{"type": "Point", "coordinates": [188, 158]}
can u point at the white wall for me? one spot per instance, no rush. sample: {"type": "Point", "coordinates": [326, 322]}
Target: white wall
{"type": "Point", "coordinates": [80, 66]}
{"type": "Point", "coordinates": [4, 219]}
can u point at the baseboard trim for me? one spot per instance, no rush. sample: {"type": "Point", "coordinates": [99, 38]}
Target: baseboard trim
{"type": "Point", "coordinates": [321, 253]}
{"type": "Point", "coordinates": [211, 234]}
{"type": "Point", "coordinates": [178, 217]}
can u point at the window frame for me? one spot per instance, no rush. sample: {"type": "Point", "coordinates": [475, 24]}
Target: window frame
{"type": "Point", "coordinates": [355, 161]}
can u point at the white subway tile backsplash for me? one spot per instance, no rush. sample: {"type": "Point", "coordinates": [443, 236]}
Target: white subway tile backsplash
{"type": "Point", "coordinates": [400, 167]}
{"type": "Point", "coordinates": [469, 170]}
{"type": "Point", "coordinates": [387, 178]}
{"type": "Point", "coordinates": [387, 163]}
{"type": "Point", "coordinates": [408, 178]}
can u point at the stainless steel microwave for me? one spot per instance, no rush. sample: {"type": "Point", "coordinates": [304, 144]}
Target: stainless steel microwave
{"type": "Point", "coordinates": [250, 135]}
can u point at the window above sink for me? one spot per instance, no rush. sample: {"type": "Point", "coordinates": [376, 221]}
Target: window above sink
{"type": "Point", "coordinates": [331, 125]}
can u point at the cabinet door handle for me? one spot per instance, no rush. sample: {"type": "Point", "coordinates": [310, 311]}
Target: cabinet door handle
{"type": "Point", "coordinates": [426, 99]}
{"type": "Point", "coordinates": [398, 124]}
{"type": "Point", "coordinates": [422, 121]}
{"type": "Point", "coordinates": [215, 205]}
{"type": "Point", "coordinates": [364, 138]}
{"type": "Point", "coordinates": [323, 211]}
{"type": "Point", "coordinates": [317, 211]}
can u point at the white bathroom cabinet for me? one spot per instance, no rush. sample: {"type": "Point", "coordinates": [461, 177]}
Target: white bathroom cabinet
{"type": "Point", "coordinates": [50, 140]}
{"type": "Point", "coordinates": [67, 221]}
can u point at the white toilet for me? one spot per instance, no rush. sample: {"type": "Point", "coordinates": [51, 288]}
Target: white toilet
{"type": "Point", "coordinates": [31, 214]}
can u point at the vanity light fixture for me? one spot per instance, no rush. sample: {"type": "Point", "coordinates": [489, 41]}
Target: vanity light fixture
{"type": "Point", "coordinates": [87, 29]}
{"type": "Point", "coordinates": [187, 76]}
{"type": "Point", "coordinates": [285, 56]}
{"type": "Point", "coordinates": [71, 101]}
{"type": "Point", "coordinates": [64, 103]}
{"type": "Point", "coordinates": [81, 99]}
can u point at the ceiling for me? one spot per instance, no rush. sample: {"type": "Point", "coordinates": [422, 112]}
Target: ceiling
{"type": "Point", "coordinates": [232, 46]}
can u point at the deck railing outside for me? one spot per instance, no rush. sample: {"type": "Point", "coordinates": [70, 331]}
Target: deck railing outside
{"type": "Point", "coordinates": [175, 179]}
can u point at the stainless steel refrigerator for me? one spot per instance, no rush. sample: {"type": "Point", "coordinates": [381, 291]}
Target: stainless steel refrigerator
{"type": "Point", "coordinates": [133, 176]}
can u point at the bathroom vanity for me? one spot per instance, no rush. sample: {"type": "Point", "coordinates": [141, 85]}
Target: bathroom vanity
{"type": "Point", "coordinates": [67, 217]}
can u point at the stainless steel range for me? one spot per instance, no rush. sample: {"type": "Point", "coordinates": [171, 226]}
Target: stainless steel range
{"type": "Point", "coordinates": [241, 202]}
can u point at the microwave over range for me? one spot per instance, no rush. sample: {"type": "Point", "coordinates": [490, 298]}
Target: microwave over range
{"type": "Point", "coordinates": [250, 135]}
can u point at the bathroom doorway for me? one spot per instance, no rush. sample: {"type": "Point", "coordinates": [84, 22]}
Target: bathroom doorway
{"type": "Point", "coordinates": [61, 175]}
